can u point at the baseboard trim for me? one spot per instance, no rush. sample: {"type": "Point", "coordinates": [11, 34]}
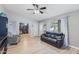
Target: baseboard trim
{"type": "Point", "coordinates": [73, 47]}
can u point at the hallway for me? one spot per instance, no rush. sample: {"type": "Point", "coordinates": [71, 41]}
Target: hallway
{"type": "Point", "coordinates": [33, 45]}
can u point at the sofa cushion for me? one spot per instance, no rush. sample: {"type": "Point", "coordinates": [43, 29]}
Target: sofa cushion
{"type": "Point", "coordinates": [52, 39]}
{"type": "Point", "coordinates": [58, 37]}
{"type": "Point", "coordinates": [52, 35]}
{"type": "Point", "coordinates": [47, 35]}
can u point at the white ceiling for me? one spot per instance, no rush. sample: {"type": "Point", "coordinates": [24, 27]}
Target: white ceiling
{"type": "Point", "coordinates": [52, 10]}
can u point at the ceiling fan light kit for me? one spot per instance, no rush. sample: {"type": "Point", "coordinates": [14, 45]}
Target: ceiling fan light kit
{"type": "Point", "coordinates": [36, 11]}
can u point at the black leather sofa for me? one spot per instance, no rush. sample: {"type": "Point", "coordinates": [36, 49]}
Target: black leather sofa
{"type": "Point", "coordinates": [55, 39]}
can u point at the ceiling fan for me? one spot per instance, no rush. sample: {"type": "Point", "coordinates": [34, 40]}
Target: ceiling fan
{"type": "Point", "coordinates": [37, 9]}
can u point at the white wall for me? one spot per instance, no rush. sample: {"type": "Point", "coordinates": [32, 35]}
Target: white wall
{"type": "Point", "coordinates": [1, 8]}
{"type": "Point", "coordinates": [74, 29]}
{"type": "Point", "coordinates": [13, 27]}
{"type": "Point", "coordinates": [13, 24]}
{"type": "Point", "coordinates": [41, 28]}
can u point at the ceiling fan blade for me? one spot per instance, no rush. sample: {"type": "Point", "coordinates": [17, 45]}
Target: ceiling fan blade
{"type": "Point", "coordinates": [35, 5]}
{"type": "Point", "coordinates": [41, 12]}
{"type": "Point", "coordinates": [30, 9]}
{"type": "Point", "coordinates": [43, 8]}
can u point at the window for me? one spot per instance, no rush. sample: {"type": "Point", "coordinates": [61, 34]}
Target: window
{"type": "Point", "coordinates": [54, 26]}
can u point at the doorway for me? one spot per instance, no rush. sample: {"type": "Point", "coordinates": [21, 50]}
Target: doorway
{"type": "Point", "coordinates": [23, 28]}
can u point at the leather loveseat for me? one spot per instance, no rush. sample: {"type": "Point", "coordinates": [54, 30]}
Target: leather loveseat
{"type": "Point", "coordinates": [53, 38]}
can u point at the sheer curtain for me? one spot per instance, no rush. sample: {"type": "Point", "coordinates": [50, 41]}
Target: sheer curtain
{"type": "Point", "coordinates": [64, 29]}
